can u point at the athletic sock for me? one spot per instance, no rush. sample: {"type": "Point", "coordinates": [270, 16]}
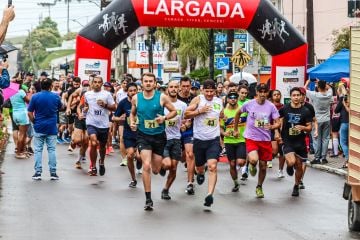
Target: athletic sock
{"type": "Point", "coordinates": [148, 195]}
{"type": "Point", "coordinates": [336, 146]}
{"type": "Point", "coordinates": [236, 182]}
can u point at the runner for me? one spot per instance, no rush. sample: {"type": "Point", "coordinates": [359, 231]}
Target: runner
{"type": "Point", "coordinates": [261, 113]}
{"type": "Point", "coordinates": [185, 96]}
{"type": "Point", "coordinates": [206, 109]}
{"type": "Point", "coordinates": [235, 147]}
{"type": "Point", "coordinates": [129, 137]}
{"type": "Point", "coordinates": [98, 103]}
{"type": "Point", "coordinates": [149, 108]}
{"type": "Point", "coordinates": [296, 120]}
{"type": "Point", "coordinates": [172, 151]}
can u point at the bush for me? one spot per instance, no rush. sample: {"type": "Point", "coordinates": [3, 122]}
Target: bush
{"type": "Point", "coordinates": [202, 74]}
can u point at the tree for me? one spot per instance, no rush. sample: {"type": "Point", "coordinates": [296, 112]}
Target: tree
{"type": "Point", "coordinates": [46, 35]}
{"type": "Point", "coordinates": [341, 39]}
{"type": "Point", "coordinates": [69, 36]}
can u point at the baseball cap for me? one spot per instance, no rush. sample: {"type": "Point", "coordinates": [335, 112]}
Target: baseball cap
{"type": "Point", "coordinates": [303, 91]}
{"type": "Point", "coordinates": [262, 86]}
{"type": "Point", "coordinates": [44, 74]}
{"type": "Point", "coordinates": [243, 82]}
{"type": "Point", "coordinates": [195, 84]}
{"type": "Point", "coordinates": [85, 83]}
{"type": "Point", "coordinates": [107, 84]}
{"type": "Point", "coordinates": [30, 74]}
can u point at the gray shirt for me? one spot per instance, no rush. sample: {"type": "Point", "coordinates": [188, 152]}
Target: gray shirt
{"type": "Point", "coordinates": [321, 103]}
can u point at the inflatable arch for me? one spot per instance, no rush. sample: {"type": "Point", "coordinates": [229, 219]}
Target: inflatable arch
{"type": "Point", "coordinates": [259, 17]}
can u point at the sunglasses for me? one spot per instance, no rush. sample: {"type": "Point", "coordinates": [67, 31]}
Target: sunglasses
{"type": "Point", "coordinates": [233, 97]}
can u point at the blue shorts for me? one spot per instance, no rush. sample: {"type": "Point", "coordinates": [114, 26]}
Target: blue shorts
{"type": "Point", "coordinates": [129, 142]}
{"type": "Point", "coordinates": [101, 133]}
{"type": "Point", "coordinates": [21, 118]}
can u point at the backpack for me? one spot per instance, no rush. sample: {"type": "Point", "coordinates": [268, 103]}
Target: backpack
{"type": "Point", "coordinates": [4, 79]}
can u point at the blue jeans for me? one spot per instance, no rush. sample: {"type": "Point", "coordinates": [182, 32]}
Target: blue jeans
{"type": "Point", "coordinates": [39, 141]}
{"type": "Point", "coordinates": [322, 141]}
{"type": "Point", "coordinates": [344, 139]}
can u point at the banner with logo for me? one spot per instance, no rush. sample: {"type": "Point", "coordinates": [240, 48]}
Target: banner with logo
{"type": "Point", "coordinates": [171, 67]}
{"type": "Point", "coordinates": [287, 78]}
{"type": "Point", "coordinates": [92, 66]}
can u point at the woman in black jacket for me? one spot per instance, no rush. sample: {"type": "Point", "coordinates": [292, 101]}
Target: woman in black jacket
{"type": "Point", "coordinates": [343, 108]}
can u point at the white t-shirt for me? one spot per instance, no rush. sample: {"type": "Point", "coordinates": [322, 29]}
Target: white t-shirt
{"type": "Point", "coordinates": [206, 125]}
{"type": "Point", "coordinates": [173, 125]}
{"type": "Point", "coordinates": [120, 95]}
{"type": "Point", "coordinates": [98, 116]}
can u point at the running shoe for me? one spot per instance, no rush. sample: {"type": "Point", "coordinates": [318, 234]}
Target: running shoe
{"type": "Point", "coordinates": [200, 178]}
{"type": "Point", "coordinates": [78, 164]}
{"type": "Point", "coordinates": [101, 169]}
{"type": "Point", "coordinates": [30, 150]}
{"type": "Point", "coordinates": [59, 141]}
{"type": "Point", "coordinates": [123, 162]}
{"type": "Point", "coordinates": [259, 192]}
{"type": "Point", "coordinates": [162, 172]}
{"type": "Point", "coordinates": [148, 205]}
{"type": "Point", "coordinates": [190, 189]}
{"type": "Point", "coordinates": [133, 184]}
{"type": "Point", "coordinates": [83, 159]}
{"type": "Point", "coordinates": [315, 161]}
{"type": "Point", "coordinates": [139, 172]}
{"type": "Point", "coordinates": [111, 149]}
{"type": "Point", "coordinates": [93, 171]}
{"type": "Point", "coordinates": [290, 171]}
{"type": "Point", "coordinates": [252, 170]}
{"type": "Point", "coordinates": [295, 192]}
{"type": "Point", "coordinates": [269, 164]}
{"type": "Point", "coordinates": [324, 161]}
{"type": "Point", "coordinates": [280, 174]}
{"type": "Point", "coordinates": [107, 151]}
{"type": "Point", "coordinates": [54, 176]}
{"type": "Point", "coordinates": [301, 185]}
{"type": "Point", "coordinates": [67, 140]}
{"type": "Point", "coordinates": [36, 176]}
{"type": "Point", "coordinates": [236, 188]}
{"type": "Point", "coordinates": [209, 200]}
{"type": "Point", "coordinates": [165, 195]}
{"type": "Point", "coordinates": [223, 152]}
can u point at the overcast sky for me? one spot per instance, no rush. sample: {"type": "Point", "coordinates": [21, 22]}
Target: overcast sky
{"type": "Point", "coordinates": [28, 14]}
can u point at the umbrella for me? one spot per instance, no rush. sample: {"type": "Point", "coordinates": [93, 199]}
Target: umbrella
{"type": "Point", "coordinates": [10, 91]}
{"type": "Point", "coordinates": [6, 48]}
{"type": "Point", "coordinates": [243, 76]}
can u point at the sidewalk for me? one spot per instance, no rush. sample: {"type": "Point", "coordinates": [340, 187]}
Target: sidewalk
{"type": "Point", "coordinates": [334, 165]}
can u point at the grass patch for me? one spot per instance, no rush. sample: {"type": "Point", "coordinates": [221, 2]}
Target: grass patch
{"type": "Point", "coordinates": [53, 55]}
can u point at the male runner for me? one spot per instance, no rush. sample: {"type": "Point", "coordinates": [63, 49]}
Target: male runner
{"type": "Point", "coordinates": [151, 139]}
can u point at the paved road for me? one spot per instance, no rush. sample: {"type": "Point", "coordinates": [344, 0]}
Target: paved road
{"type": "Point", "coordinates": [83, 207]}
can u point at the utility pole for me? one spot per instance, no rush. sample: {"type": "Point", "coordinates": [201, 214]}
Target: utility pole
{"type": "Point", "coordinates": [211, 53]}
{"type": "Point", "coordinates": [30, 53]}
{"type": "Point", "coordinates": [68, 16]}
{"type": "Point", "coordinates": [48, 5]}
{"type": "Point", "coordinates": [229, 48]}
{"type": "Point", "coordinates": [310, 32]}
{"type": "Point", "coordinates": [150, 45]}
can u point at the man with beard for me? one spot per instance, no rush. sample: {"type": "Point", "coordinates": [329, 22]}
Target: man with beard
{"type": "Point", "coordinates": [129, 137]}
{"type": "Point", "coordinates": [296, 121]}
{"type": "Point", "coordinates": [206, 109]}
{"type": "Point", "coordinates": [151, 139]}
{"type": "Point", "coordinates": [172, 151]}
{"type": "Point", "coordinates": [98, 104]}
{"type": "Point", "coordinates": [261, 113]}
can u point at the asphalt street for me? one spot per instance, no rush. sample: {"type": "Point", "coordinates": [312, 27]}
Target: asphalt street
{"type": "Point", "coordinates": [82, 207]}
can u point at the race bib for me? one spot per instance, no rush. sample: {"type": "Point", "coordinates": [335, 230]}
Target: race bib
{"type": "Point", "coordinates": [260, 123]}
{"type": "Point", "coordinates": [98, 112]}
{"type": "Point", "coordinates": [294, 132]}
{"type": "Point", "coordinates": [211, 122]}
{"type": "Point", "coordinates": [171, 123]}
{"type": "Point", "coordinates": [151, 124]}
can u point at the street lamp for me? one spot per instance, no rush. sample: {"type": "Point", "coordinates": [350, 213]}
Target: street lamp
{"type": "Point", "coordinates": [125, 51]}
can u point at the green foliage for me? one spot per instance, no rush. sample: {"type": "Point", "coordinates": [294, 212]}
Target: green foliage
{"type": "Point", "coordinates": [341, 39]}
{"type": "Point", "coordinates": [202, 74]}
{"type": "Point", "coordinates": [53, 55]}
{"type": "Point", "coordinates": [46, 35]}
{"type": "Point", "coordinates": [69, 36]}
{"type": "Point", "coordinates": [260, 54]}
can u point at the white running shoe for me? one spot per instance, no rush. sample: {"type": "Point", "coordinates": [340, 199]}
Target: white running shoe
{"type": "Point", "coordinates": [281, 174]}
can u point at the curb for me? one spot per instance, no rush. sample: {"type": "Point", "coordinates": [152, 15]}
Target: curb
{"type": "Point", "coordinates": [329, 169]}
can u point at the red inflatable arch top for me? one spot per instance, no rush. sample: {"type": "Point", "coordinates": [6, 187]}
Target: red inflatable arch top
{"type": "Point", "coordinates": [259, 17]}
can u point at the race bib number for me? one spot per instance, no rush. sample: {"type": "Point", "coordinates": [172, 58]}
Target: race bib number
{"type": "Point", "coordinates": [151, 124]}
{"type": "Point", "coordinates": [294, 132]}
{"type": "Point", "coordinates": [98, 112]}
{"type": "Point", "coordinates": [260, 123]}
{"type": "Point", "coordinates": [171, 123]}
{"type": "Point", "coordinates": [211, 122]}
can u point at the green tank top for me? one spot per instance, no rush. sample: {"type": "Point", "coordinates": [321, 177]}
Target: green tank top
{"type": "Point", "coordinates": [147, 111]}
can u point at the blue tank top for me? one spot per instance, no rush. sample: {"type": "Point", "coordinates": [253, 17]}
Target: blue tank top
{"type": "Point", "coordinates": [147, 111]}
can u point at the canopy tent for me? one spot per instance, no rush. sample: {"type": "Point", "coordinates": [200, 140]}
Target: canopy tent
{"type": "Point", "coordinates": [333, 69]}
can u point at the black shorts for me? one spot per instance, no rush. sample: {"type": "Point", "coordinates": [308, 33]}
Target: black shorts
{"type": "Point", "coordinates": [70, 119]}
{"type": "Point", "coordinates": [205, 150]}
{"type": "Point", "coordinates": [235, 151]}
{"type": "Point", "coordinates": [299, 150]}
{"type": "Point", "coordinates": [15, 127]}
{"type": "Point", "coordinates": [281, 150]}
{"type": "Point", "coordinates": [101, 133]}
{"type": "Point", "coordinates": [156, 143]}
{"type": "Point", "coordinates": [335, 124]}
{"type": "Point", "coordinates": [173, 149]}
{"type": "Point", "coordinates": [129, 142]}
{"type": "Point", "coordinates": [80, 124]}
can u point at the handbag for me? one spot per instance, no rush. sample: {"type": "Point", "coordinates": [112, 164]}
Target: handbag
{"type": "Point", "coordinates": [7, 104]}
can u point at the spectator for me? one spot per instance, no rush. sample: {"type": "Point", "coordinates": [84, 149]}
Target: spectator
{"type": "Point", "coordinates": [343, 108]}
{"type": "Point", "coordinates": [45, 126]}
{"type": "Point", "coordinates": [8, 16]}
{"type": "Point", "coordinates": [321, 101]}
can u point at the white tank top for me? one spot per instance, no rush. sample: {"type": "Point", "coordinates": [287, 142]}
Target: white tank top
{"type": "Point", "coordinates": [206, 125]}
